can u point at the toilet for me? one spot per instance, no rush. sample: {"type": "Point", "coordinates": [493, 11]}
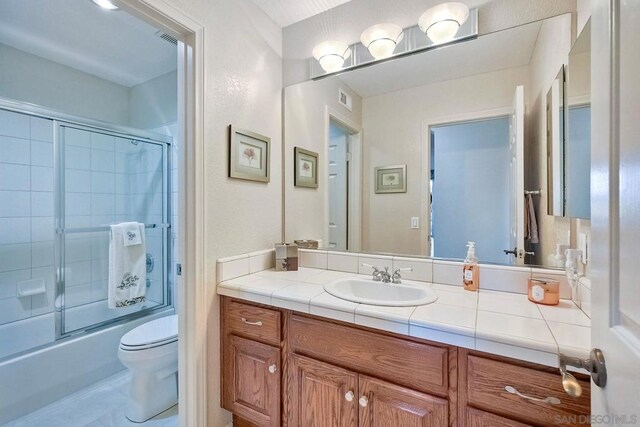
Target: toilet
{"type": "Point", "coordinates": [150, 351]}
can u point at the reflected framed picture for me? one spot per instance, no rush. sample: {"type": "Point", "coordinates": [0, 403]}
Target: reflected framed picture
{"type": "Point", "coordinates": [249, 155]}
{"type": "Point", "coordinates": [305, 168]}
{"type": "Point", "coordinates": [391, 179]}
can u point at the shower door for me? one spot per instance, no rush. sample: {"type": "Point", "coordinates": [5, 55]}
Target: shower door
{"type": "Point", "coordinates": [103, 178]}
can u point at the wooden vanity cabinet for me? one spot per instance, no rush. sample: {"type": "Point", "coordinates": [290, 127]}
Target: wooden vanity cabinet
{"type": "Point", "coordinates": [251, 362]}
{"type": "Point", "coordinates": [284, 368]}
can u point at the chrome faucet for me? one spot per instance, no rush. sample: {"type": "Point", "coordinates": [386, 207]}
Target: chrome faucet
{"type": "Point", "coordinates": [397, 278]}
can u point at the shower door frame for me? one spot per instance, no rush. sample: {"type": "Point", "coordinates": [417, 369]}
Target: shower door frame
{"type": "Point", "coordinates": [61, 230]}
{"type": "Point", "coordinates": [61, 119]}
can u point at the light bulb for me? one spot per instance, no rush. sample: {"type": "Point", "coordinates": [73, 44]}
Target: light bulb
{"type": "Point", "coordinates": [382, 39]}
{"type": "Point", "coordinates": [331, 55]}
{"type": "Point", "coordinates": [441, 22]}
{"type": "Point", "coordinates": [105, 4]}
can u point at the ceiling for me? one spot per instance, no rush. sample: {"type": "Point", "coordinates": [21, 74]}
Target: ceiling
{"type": "Point", "coordinates": [492, 52]}
{"type": "Point", "coordinates": [287, 12]}
{"type": "Point", "coordinates": [112, 45]}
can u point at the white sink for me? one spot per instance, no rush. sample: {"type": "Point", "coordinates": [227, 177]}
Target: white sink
{"type": "Point", "coordinates": [367, 291]}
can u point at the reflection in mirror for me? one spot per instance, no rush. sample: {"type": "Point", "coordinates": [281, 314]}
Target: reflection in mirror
{"type": "Point", "coordinates": [555, 146]}
{"type": "Point", "coordinates": [454, 118]}
{"type": "Point", "coordinates": [578, 147]}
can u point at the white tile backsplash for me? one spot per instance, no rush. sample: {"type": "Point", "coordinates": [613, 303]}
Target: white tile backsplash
{"type": "Point", "coordinates": [41, 178]}
{"type": "Point", "coordinates": [422, 269]}
{"type": "Point", "coordinates": [447, 272]}
{"type": "Point", "coordinates": [378, 261]}
{"type": "Point", "coordinates": [228, 269]}
{"type": "Point", "coordinates": [342, 261]}
{"type": "Point", "coordinates": [15, 177]}
{"type": "Point", "coordinates": [504, 278]}
{"type": "Point", "coordinates": [14, 124]}
{"type": "Point", "coordinates": [14, 204]}
{"type": "Point", "coordinates": [312, 258]}
{"type": "Point", "coordinates": [14, 150]}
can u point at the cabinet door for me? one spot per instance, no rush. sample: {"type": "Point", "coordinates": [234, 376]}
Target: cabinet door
{"type": "Point", "coordinates": [251, 381]}
{"type": "Point", "coordinates": [383, 404]}
{"type": "Point", "coordinates": [321, 394]}
{"type": "Point", "coordinates": [477, 418]}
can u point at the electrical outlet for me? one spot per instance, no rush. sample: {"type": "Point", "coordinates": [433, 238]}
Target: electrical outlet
{"type": "Point", "coordinates": [415, 222]}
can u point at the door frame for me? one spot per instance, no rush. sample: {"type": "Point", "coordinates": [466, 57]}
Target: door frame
{"type": "Point", "coordinates": [355, 178]}
{"type": "Point", "coordinates": [192, 330]}
{"type": "Point", "coordinates": [425, 156]}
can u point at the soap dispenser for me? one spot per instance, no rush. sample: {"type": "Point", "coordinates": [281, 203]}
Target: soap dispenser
{"type": "Point", "coordinates": [471, 269]}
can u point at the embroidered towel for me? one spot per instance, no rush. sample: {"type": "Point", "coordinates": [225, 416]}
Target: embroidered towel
{"type": "Point", "coordinates": [127, 266]}
{"type": "Point", "coordinates": [131, 233]}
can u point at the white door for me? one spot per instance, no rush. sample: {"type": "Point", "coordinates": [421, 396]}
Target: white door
{"type": "Point", "coordinates": [615, 205]}
{"type": "Point", "coordinates": [337, 167]}
{"type": "Point", "coordinates": [516, 181]}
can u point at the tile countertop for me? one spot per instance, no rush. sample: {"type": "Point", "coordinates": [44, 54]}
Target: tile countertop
{"type": "Point", "coordinates": [501, 323]}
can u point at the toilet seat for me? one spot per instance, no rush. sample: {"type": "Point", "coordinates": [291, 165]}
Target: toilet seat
{"type": "Point", "coordinates": [152, 334]}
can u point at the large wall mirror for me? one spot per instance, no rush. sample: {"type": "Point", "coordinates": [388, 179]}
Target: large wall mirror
{"type": "Point", "coordinates": [421, 154]}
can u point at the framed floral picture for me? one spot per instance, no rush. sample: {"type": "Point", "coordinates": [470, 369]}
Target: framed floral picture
{"type": "Point", "coordinates": [391, 179]}
{"type": "Point", "coordinates": [249, 155]}
{"type": "Point", "coordinates": [305, 168]}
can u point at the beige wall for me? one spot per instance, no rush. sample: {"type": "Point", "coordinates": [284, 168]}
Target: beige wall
{"type": "Point", "coordinates": [305, 126]}
{"type": "Point", "coordinates": [393, 134]}
{"type": "Point", "coordinates": [243, 86]}
{"type": "Point", "coordinates": [551, 52]}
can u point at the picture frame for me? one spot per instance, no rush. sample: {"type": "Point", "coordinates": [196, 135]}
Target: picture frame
{"type": "Point", "coordinates": [390, 179]}
{"type": "Point", "coordinates": [305, 165]}
{"type": "Point", "coordinates": [249, 155]}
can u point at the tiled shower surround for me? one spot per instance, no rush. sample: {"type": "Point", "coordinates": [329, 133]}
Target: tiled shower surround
{"type": "Point", "coordinates": [107, 179]}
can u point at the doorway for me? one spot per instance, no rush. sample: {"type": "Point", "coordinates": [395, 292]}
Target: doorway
{"type": "Point", "coordinates": [470, 169]}
{"type": "Point", "coordinates": [343, 168]}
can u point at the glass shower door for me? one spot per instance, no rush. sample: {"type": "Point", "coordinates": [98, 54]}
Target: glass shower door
{"type": "Point", "coordinates": [106, 178]}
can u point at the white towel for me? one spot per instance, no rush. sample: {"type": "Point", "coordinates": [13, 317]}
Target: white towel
{"type": "Point", "coordinates": [131, 233]}
{"type": "Point", "coordinates": [530, 221]}
{"type": "Point", "coordinates": [127, 266]}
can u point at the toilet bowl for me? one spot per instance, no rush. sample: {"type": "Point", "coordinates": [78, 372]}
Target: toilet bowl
{"type": "Point", "coordinates": [150, 351]}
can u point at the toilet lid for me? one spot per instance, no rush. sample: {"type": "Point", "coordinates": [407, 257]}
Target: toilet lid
{"type": "Point", "coordinates": [154, 332]}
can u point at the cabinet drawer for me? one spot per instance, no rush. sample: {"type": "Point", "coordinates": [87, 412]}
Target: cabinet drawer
{"type": "Point", "coordinates": [486, 389]}
{"type": "Point", "coordinates": [419, 366]}
{"type": "Point", "coordinates": [477, 418]}
{"type": "Point", "coordinates": [250, 321]}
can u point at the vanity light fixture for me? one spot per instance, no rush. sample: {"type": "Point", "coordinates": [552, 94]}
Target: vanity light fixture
{"type": "Point", "coordinates": [441, 22]}
{"type": "Point", "coordinates": [381, 39]}
{"type": "Point", "coordinates": [331, 55]}
{"type": "Point", "coordinates": [105, 4]}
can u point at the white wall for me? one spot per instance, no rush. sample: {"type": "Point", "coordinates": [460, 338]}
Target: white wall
{"type": "Point", "coordinates": [30, 78]}
{"type": "Point", "coordinates": [305, 126]}
{"type": "Point", "coordinates": [154, 103]}
{"type": "Point", "coordinates": [243, 86]}
{"type": "Point", "coordinates": [393, 134]}
{"type": "Point", "coordinates": [550, 53]}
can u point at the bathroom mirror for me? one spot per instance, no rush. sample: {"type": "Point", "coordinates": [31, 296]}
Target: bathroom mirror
{"type": "Point", "coordinates": [420, 154]}
{"type": "Point", "coordinates": [556, 146]}
{"type": "Point", "coordinates": [578, 113]}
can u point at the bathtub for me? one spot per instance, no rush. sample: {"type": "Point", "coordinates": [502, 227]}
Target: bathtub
{"type": "Point", "coordinates": [34, 379]}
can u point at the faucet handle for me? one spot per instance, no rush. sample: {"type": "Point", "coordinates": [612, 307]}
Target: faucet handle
{"type": "Point", "coordinates": [397, 278]}
{"type": "Point", "coordinates": [377, 274]}
{"type": "Point", "coordinates": [398, 270]}
{"type": "Point", "coordinates": [374, 268]}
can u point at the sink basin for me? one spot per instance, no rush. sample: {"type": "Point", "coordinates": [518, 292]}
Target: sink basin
{"type": "Point", "coordinates": [367, 291]}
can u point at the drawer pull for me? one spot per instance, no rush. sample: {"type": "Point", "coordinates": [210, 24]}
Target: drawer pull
{"type": "Point", "coordinates": [349, 396]}
{"type": "Point", "coordinates": [273, 369]}
{"type": "Point", "coordinates": [363, 401]}
{"type": "Point", "coordinates": [249, 322]}
{"type": "Point", "coordinates": [551, 400]}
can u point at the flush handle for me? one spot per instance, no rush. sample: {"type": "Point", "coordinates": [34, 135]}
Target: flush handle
{"type": "Point", "coordinates": [249, 322]}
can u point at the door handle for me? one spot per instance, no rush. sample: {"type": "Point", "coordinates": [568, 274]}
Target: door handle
{"type": "Point", "coordinates": [550, 399]}
{"type": "Point", "coordinates": [595, 364]}
{"type": "Point", "coordinates": [513, 252]}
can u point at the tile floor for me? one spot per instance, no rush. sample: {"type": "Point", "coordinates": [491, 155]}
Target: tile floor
{"type": "Point", "coordinates": [101, 405]}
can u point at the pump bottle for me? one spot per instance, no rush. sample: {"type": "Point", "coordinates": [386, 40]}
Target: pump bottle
{"type": "Point", "coordinates": [471, 269]}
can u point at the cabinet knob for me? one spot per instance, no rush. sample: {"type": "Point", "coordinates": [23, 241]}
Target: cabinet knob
{"type": "Point", "coordinates": [273, 369]}
{"type": "Point", "coordinates": [363, 401]}
{"type": "Point", "coordinates": [349, 396]}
